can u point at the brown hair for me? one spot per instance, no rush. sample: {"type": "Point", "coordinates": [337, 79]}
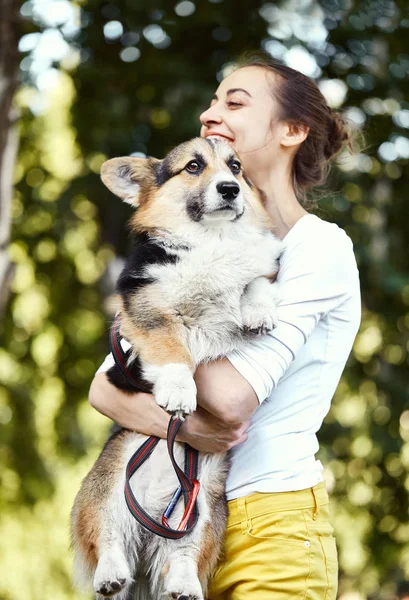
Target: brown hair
{"type": "Point", "coordinates": [301, 102]}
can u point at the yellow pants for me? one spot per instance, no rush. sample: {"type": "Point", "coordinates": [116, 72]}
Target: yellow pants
{"type": "Point", "coordinates": [278, 546]}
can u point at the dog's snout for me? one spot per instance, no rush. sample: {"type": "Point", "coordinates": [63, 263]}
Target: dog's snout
{"type": "Point", "coordinates": [229, 190]}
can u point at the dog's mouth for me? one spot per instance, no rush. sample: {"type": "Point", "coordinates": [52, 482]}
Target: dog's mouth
{"type": "Point", "coordinates": [224, 207]}
{"type": "Point", "coordinates": [223, 213]}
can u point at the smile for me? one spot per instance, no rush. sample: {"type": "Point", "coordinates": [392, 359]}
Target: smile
{"type": "Point", "coordinates": [217, 136]}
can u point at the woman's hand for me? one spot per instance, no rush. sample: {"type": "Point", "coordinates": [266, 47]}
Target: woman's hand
{"type": "Point", "coordinates": [207, 433]}
{"type": "Point", "coordinates": [139, 412]}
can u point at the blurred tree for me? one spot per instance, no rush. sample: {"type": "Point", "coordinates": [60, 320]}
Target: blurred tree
{"type": "Point", "coordinates": [144, 74]}
{"type": "Point", "coordinates": [9, 36]}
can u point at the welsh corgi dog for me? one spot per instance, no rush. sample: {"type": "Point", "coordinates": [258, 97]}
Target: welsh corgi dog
{"type": "Point", "coordinates": [197, 285]}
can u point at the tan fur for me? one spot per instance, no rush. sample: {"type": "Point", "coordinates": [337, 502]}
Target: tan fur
{"type": "Point", "coordinates": [163, 207]}
{"type": "Point", "coordinates": [158, 346]}
{"type": "Point", "coordinates": [213, 534]}
{"type": "Point", "coordinates": [94, 492]}
{"type": "Point", "coordinates": [209, 552]}
{"type": "Point", "coordinates": [154, 211]}
{"type": "Point", "coordinates": [165, 570]}
{"type": "Point", "coordinates": [138, 170]}
{"type": "Point", "coordinates": [258, 213]}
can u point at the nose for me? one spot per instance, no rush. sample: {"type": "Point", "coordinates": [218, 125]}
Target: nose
{"type": "Point", "coordinates": [229, 190]}
{"type": "Point", "coordinates": [210, 116]}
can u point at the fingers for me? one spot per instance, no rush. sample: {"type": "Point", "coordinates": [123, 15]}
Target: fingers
{"type": "Point", "coordinates": [207, 433]}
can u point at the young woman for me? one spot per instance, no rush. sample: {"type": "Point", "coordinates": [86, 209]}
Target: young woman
{"type": "Point", "coordinates": [267, 402]}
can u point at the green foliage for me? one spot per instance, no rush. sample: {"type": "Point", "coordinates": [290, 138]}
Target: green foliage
{"type": "Point", "coordinates": [143, 91]}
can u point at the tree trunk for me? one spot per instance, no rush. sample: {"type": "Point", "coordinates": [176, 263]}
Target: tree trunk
{"type": "Point", "coordinates": [9, 61]}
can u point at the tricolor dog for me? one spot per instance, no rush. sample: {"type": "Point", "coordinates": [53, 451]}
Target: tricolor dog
{"type": "Point", "coordinates": [196, 286]}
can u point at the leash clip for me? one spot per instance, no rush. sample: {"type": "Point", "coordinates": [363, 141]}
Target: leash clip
{"type": "Point", "coordinates": [189, 506]}
{"type": "Point", "coordinates": [171, 506]}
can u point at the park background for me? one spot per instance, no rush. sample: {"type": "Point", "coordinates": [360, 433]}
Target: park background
{"type": "Point", "coordinates": [81, 82]}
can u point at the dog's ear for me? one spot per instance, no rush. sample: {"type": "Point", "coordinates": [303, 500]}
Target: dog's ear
{"type": "Point", "coordinates": [127, 176]}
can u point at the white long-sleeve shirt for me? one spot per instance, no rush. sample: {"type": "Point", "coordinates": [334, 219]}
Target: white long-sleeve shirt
{"type": "Point", "coordinates": [295, 369]}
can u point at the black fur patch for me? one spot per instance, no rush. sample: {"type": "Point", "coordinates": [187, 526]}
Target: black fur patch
{"type": "Point", "coordinates": [163, 173]}
{"type": "Point", "coordinates": [145, 252]}
{"type": "Point", "coordinates": [194, 209]}
{"type": "Point", "coordinates": [116, 377]}
{"type": "Point", "coordinates": [230, 158]}
{"type": "Point", "coordinates": [200, 159]}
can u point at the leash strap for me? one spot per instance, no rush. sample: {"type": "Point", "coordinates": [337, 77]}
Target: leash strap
{"type": "Point", "coordinates": [120, 356]}
{"type": "Point", "coordinates": [189, 485]}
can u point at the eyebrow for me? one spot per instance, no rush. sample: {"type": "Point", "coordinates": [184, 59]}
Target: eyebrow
{"type": "Point", "coordinates": [233, 91]}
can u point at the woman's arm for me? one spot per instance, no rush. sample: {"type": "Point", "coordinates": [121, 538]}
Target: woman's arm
{"type": "Point", "coordinates": [202, 430]}
{"type": "Point", "coordinates": [223, 392]}
{"type": "Point", "coordinates": [133, 411]}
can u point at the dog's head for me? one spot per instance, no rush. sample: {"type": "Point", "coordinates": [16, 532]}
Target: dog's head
{"type": "Point", "coordinates": [200, 181]}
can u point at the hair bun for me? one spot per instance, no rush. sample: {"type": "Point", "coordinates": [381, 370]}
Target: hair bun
{"type": "Point", "coordinates": [337, 134]}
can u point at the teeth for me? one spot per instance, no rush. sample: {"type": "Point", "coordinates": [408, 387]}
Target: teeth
{"type": "Point", "coordinates": [218, 137]}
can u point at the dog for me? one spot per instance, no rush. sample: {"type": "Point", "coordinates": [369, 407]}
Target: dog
{"type": "Point", "coordinates": [197, 285]}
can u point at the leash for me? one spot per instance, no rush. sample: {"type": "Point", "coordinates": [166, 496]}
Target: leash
{"type": "Point", "coordinates": [189, 485]}
{"type": "Point", "coordinates": [120, 357]}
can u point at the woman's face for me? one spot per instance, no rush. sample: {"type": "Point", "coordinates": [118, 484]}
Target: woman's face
{"type": "Point", "coordinates": [244, 113]}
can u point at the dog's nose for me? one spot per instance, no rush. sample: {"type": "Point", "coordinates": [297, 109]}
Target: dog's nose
{"type": "Point", "coordinates": [229, 190]}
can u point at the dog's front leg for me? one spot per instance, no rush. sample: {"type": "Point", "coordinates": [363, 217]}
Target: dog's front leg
{"type": "Point", "coordinates": [181, 581]}
{"type": "Point", "coordinates": [112, 575]}
{"type": "Point", "coordinates": [258, 305]}
{"type": "Point", "coordinates": [166, 363]}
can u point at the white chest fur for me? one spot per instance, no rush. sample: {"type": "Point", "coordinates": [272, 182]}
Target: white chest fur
{"type": "Point", "coordinates": [205, 287]}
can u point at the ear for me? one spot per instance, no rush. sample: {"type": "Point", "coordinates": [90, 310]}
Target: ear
{"type": "Point", "coordinates": [294, 134]}
{"type": "Point", "coordinates": [127, 176]}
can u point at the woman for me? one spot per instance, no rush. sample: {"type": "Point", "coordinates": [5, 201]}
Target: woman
{"type": "Point", "coordinates": [267, 402]}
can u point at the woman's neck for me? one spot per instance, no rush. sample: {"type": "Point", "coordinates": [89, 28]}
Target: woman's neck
{"type": "Point", "coordinates": [280, 200]}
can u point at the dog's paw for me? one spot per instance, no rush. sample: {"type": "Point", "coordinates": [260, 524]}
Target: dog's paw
{"type": "Point", "coordinates": [109, 588]}
{"type": "Point", "coordinates": [177, 589]}
{"type": "Point", "coordinates": [259, 318]}
{"type": "Point", "coordinates": [111, 577]}
{"type": "Point", "coordinates": [175, 389]}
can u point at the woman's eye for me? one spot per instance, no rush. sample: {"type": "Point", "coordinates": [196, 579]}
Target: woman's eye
{"type": "Point", "coordinates": [193, 166]}
{"type": "Point", "coordinates": [234, 104]}
{"type": "Point", "coordinates": [235, 167]}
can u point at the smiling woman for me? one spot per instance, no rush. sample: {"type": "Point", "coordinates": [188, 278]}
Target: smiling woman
{"type": "Point", "coordinates": [272, 96]}
{"type": "Point", "coordinates": [279, 541]}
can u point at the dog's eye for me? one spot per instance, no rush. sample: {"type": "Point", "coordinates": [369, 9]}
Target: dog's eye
{"type": "Point", "coordinates": [193, 166]}
{"type": "Point", "coordinates": [235, 167]}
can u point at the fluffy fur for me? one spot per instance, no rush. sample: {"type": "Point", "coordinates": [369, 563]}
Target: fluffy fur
{"type": "Point", "coordinates": [196, 286]}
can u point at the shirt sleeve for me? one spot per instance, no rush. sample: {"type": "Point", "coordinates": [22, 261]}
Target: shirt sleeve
{"type": "Point", "coordinates": [313, 279]}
